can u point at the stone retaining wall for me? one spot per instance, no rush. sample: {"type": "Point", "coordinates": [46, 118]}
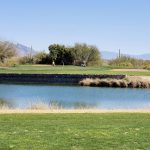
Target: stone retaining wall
{"type": "Point", "coordinates": [69, 79]}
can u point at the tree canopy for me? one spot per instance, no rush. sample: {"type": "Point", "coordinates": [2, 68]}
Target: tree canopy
{"type": "Point", "coordinates": [78, 54]}
{"type": "Point", "coordinates": [86, 54]}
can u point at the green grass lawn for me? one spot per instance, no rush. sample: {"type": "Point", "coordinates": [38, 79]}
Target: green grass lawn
{"type": "Point", "coordinates": [47, 69]}
{"type": "Point", "coordinates": [109, 131]}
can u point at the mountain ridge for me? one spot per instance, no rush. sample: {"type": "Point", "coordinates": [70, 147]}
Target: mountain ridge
{"type": "Point", "coordinates": [24, 50]}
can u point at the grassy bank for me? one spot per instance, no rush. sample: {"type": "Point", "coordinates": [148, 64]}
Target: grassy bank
{"type": "Point", "coordinates": [75, 131]}
{"type": "Point", "coordinates": [47, 69]}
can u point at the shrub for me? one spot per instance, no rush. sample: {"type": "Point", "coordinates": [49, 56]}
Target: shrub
{"type": "Point", "coordinates": [146, 65]}
{"type": "Point", "coordinates": [12, 62]}
{"type": "Point", "coordinates": [41, 58]}
{"type": "Point", "coordinates": [127, 61]}
{"type": "Point", "coordinates": [26, 60]}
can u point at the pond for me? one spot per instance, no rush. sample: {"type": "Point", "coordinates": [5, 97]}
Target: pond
{"type": "Point", "coordinates": [24, 96]}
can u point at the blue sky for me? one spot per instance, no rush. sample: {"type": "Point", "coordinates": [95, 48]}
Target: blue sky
{"type": "Point", "coordinates": [108, 24]}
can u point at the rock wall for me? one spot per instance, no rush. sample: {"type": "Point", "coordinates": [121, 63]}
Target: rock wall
{"type": "Point", "coordinates": [68, 79]}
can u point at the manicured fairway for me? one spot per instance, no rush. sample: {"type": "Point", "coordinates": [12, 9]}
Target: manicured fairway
{"type": "Point", "coordinates": [47, 69]}
{"type": "Point", "coordinates": [108, 131]}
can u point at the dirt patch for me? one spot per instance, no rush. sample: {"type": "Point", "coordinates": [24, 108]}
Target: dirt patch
{"type": "Point", "coordinates": [131, 70]}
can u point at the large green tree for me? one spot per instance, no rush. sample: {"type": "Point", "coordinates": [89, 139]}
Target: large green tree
{"type": "Point", "coordinates": [95, 56]}
{"type": "Point", "coordinates": [60, 54]}
{"type": "Point", "coordinates": [86, 54]}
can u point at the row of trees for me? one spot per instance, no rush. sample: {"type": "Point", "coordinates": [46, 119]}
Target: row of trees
{"type": "Point", "coordinates": [79, 54]}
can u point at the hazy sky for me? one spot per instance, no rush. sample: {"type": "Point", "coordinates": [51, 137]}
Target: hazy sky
{"type": "Point", "coordinates": [108, 24]}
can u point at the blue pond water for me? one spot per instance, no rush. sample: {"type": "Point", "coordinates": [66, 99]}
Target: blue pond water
{"type": "Point", "coordinates": [22, 96]}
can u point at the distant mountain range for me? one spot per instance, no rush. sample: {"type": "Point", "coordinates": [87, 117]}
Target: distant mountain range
{"type": "Point", "coordinates": [24, 50]}
{"type": "Point", "coordinates": [112, 55]}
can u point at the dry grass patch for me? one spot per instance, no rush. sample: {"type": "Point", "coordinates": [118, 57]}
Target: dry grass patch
{"type": "Point", "coordinates": [129, 82]}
